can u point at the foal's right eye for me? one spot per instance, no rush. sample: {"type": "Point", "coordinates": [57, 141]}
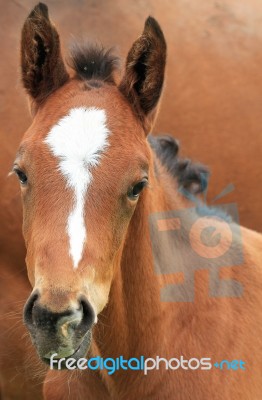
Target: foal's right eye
{"type": "Point", "coordinates": [21, 176]}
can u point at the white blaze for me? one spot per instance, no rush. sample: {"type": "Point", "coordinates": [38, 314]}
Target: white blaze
{"type": "Point", "coordinates": [78, 140]}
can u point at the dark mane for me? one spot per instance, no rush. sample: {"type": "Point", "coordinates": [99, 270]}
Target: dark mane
{"type": "Point", "coordinates": [192, 177]}
{"type": "Point", "coordinates": [92, 61]}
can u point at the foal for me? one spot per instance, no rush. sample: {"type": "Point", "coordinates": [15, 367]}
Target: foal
{"type": "Point", "coordinates": [95, 201]}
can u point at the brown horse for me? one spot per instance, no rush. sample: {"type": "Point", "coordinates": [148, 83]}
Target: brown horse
{"type": "Point", "coordinates": [95, 201]}
{"type": "Point", "coordinates": [17, 359]}
{"type": "Point", "coordinates": [228, 95]}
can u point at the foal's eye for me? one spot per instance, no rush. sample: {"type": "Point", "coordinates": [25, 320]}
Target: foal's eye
{"type": "Point", "coordinates": [21, 176]}
{"type": "Point", "coordinates": [135, 191]}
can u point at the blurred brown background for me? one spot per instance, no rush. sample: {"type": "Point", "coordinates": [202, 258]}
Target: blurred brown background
{"type": "Point", "coordinates": [213, 96]}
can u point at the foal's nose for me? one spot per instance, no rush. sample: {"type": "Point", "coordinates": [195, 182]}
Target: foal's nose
{"type": "Point", "coordinates": [63, 324]}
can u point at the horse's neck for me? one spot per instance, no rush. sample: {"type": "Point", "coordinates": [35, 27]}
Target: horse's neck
{"type": "Point", "coordinates": [134, 312]}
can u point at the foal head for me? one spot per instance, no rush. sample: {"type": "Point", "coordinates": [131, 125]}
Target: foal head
{"type": "Point", "coordinates": [82, 165]}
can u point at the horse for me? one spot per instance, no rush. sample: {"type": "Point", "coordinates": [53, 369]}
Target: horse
{"type": "Point", "coordinates": [96, 198]}
{"type": "Point", "coordinates": [16, 349]}
{"type": "Point", "coordinates": [12, 250]}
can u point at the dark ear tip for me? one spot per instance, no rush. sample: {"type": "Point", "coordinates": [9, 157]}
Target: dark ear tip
{"type": "Point", "coordinates": [152, 25]}
{"type": "Point", "coordinates": [150, 21]}
{"type": "Point", "coordinates": [39, 9]}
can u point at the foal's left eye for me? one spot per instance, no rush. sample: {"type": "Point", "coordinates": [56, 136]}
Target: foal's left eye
{"type": "Point", "coordinates": [21, 176]}
{"type": "Point", "coordinates": [135, 191]}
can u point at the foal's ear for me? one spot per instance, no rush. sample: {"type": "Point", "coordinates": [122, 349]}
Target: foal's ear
{"type": "Point", "coordinates": [43, 69]}
{"type": "Point", "coordinates": [144, 75]}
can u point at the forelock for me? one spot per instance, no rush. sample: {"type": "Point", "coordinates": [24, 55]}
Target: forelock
{"type": "Point", "coordinates": [93, 62]}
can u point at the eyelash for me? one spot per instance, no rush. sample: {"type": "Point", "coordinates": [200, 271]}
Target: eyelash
{"type": "Point", "coordinates": [21, 175]}
{"type": "Point", "coordinates": [135, 191]}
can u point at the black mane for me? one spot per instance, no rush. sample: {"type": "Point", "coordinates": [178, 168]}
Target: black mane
{"type": "Point", "coordinates": [191, 177]}
{"type": "Point", "coordinates": [92, 61]}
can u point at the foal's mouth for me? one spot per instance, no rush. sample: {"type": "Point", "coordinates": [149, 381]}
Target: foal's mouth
{"type": "Point", "coordinates": [60, 362]}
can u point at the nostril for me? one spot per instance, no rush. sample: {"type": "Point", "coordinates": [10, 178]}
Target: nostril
{"type": "Point", "coordinates": [28, 309]}
{"type": "Point", "coordinates": [78, 321]}
{"type": "Point", "coordinates": [88, 317]}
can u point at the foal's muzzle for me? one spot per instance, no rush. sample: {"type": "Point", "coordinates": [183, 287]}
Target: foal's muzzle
{"type": "Point", "coordinates": [68, 334]}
